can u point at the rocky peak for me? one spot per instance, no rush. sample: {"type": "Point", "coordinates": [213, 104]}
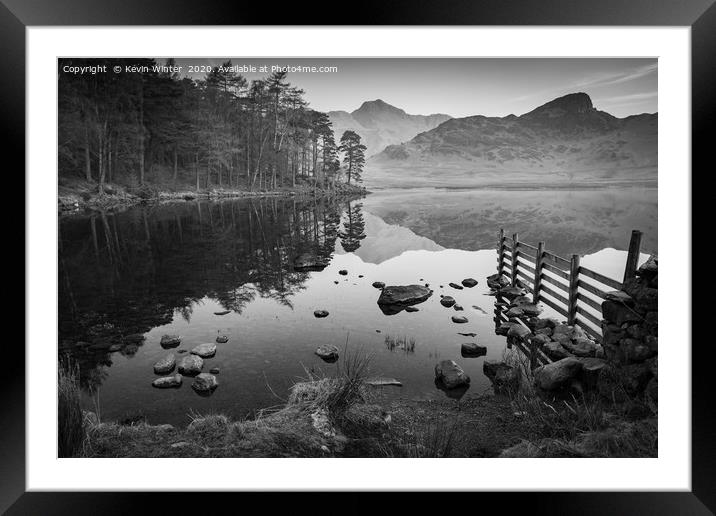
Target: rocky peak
{"type": "Point", "coordinates": [574, 103]}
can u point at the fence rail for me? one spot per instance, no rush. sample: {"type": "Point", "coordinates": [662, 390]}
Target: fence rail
{"type": "Point", "coordinates": [567, 287]}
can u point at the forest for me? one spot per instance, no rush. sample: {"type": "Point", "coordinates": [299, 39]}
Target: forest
{"type": "Point", "coordinates": [152, 127]}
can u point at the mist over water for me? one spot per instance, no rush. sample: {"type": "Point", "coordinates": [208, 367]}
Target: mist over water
{"type": "Point", "coordinates": [166, 269]}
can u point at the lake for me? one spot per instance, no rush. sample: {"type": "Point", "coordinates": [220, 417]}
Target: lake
{"type": "Point", "coordinates": [126, 279]}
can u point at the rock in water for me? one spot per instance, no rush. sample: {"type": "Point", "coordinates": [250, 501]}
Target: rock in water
{"type": "Point", "coordinates": [205, 383]}
{"type": "Point", "coordinates": [455, 286]}
{"type": "Point", "coordinates": [224, 312]}
{"type": "Point", "coordinates": [320, 313]}
{"type": "Point", "coordinates": [165, 365]}
{"type": "Point", "coordinates": [447, 301]}
{"type": "Point", "coordinates": [457, 308]}
{"type": "Point", "coordinates": [470, 334]}
{"type": "Point", "coordinates": [214, 370]}
{"type": "Point", "coordinates": [459, 319]}
{"type": "Point", "coordinates": [404, 295]}
{"type": "Point", "coordinates": [207, 350]}
{"type": "Point", "coordinates": [557, 374]}
{"type": "Point", "coordinates": [308, 262]}
{"type": "Point", "coordinates": [191, 365]}
{"type": "Point", "coordinates": [473, 350]}
{"type": "Point", "coordinates": [497, 281]}
{"type": "Point", "coordinates": [378, 284]}
{"type": "Point", "coordinates": [170, 341]}
{"type": "Point", "coordinates": [343, 272]}
{"type": "Point", "coordinates": [469, 282]}
{"type": "Point", "coordinates": [505, 378]}
{"type": "Point", "coordinates": [166, 382]}
{"type": "Point", "coordinates": [412, 309]}
{"type": "Point", "coordinates": [327, 353]}
{"type": "Point", "coordinates": [450, 374]}
{"type": "Point", "coordinates": [222, 339]}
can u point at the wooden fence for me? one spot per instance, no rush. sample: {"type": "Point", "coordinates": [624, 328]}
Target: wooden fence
{"type": "Point", "coordinates": [564, 285]}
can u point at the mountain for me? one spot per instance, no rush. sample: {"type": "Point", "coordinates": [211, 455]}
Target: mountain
{"type": "Point", "coordinates": [565, 140]}
{"type": "Point", "coordinates": [379, 124]}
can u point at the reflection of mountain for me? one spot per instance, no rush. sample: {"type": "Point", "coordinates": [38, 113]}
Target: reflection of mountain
{"type": "Point", "coordinates": [568, 221]}
{"type": "Point", "coordinates": [385, 241]}
{"type": "Point", "coordinates": [123, 274]}
{"type": "Point", "coordinates": [379, 124]}
{"type": "Point", "coordinates": [565, 140]}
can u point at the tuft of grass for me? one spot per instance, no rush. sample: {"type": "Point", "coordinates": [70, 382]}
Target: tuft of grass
{"type": "Point", "coordinates": [70, 429]}
{"type": "Point", "coordinates": [437, 439]}
{"type": "Point", "coordinates": [403, 343]}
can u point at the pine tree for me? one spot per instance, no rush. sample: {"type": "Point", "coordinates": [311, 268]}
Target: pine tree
{"type": "Point", "coordinates": [354, 155]}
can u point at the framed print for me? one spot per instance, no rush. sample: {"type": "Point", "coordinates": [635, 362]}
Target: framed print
{"type": "Point", "coordinates": [343, 258]}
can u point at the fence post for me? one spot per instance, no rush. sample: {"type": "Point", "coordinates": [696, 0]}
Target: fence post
{"type": "Point", "coordinates": [573, 279]}
{"type": "Point", "coordinates": [538, 272]}
{"type": "Point", "coordinates": [501, 252]}
{"type": "Point", "coordinates": [633, 256]}
{"type": "Point", "coordinates": [514, 259]}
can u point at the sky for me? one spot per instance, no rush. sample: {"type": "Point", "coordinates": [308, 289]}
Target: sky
{"type": "Point", "coordinates": [462, 86]}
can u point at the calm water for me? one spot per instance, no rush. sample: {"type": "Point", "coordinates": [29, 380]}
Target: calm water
{"type": "Point", "coordinates": [155, 270]}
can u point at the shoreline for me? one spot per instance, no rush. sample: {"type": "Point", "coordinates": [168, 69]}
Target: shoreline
{"type": "Point", "coordinates": [74, 200]}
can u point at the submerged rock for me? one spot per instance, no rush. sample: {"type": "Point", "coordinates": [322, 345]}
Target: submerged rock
{"type": "Point", "coordinates": [378, 284]}
{"type": "Point", "coordinates": [170, 341]}
{"type": "Point", "coordinates": [412, 309]}
{"type": "Point", "coordinates": [469, 282]}
{"type": "Point", "coordinates": [447, 301]}
{"type": "Point", "coordinates": [459, 319]}
{"type": "Point", "coordinates": [207, 350]}
{"type": "Point", "coordinates": [214, 370]}
{"type": "Point", "coordinates": [450, 374]}
{"type": "Point", "coordinates": [204, 383]}
{"type": "Point", "coordinates": [222, 339]}
{"type": "Point", "coordinates": [343, 272]}
{"type": "Point", "coordinates": [455, 286]}
{"type": "Point", "coordinates": [166, 382]}
{"type": "Point", "coordinates": [383, 382]}
{"type": "Point", "coordinates": [191, 365]}
{"type": "Point", "coordinates": [165, 365]}
{"type": "Point", "coordinates": [308, 262]}
{"type": "Point", "coordinates": [328, 353]}
{"type": "Point", "coordinates": [320, 313]}
{"type": "Point", "coordinates": [473, 350]}
{"type": "Point", "coordinates": [224, 312]}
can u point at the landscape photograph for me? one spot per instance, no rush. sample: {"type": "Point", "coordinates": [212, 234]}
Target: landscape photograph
{"type": "Point", "coordinates": [357, 257]}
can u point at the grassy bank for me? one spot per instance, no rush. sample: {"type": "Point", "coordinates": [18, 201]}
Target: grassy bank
{"type": "Point", "coordinates": [74, 195]}
{"type": "Point", "coordinates": [343, 416]}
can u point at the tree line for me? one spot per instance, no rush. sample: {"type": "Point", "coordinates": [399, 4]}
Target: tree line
{"type": "Point", "coordinates": [154, 126]}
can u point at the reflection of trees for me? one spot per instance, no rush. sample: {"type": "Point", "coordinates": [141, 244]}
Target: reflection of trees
{"type": "Point", "coordinates": [123, 274]}
{"type": "Point", "coordinates": [354, 228]}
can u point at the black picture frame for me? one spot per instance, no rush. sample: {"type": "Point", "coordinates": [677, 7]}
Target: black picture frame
{"type": "Point", "coordinates": [700, 15]}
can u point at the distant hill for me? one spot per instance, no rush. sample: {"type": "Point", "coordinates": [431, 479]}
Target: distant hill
{"type": "Point", "coordinates": [379, 124]}
{"type": "Point", "coordinates": [566, 139]}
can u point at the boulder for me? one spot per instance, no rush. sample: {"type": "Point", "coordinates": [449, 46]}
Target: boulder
{"type": "Point", "coordinates": [543, 331]}
{"type": "Point", "coordinates": [504, 328]}
{"type": "Point", "coordinates": [378, 284]}
{"type": "Point", "coordinates": [455, 286]}
{"type": "Point", "coordinates": [497, 282]}
{"type": "Point", "coordinates": [222, 339]}
{"type": "Point", "coordinates": [191, 365]}
{"type": "Point", "coordinates": [204, 383]}
{"type": "Point", "coordinates": [649, 269]}
{"type": "Point", "coordinates": [459, 319]}
{"type": "Point", "coordinates": [447, 301]}
{"type": "Point", "coordinates": [308, 262]}
{"type": "Point", "coordinates": [167, 382]}
{"type": "Point", "coordinates": [555, 350]}
{"type": "Point", "coordinates": [469, 282]}
{"type": "Point", "coordinates": [514, 312]}
{"type": "Point", "coordinates": [519, 331]}
{"type": "Point", "coordinates": [521, 300]}
{"type": "Point", "coordinates": [511, 292]}
{"type": "Point", "coordinates": [320, 314]}
{"type": "Point", "coordinates": [327, 352]}
{"type": "Point", "coordinates": [531, 309]}
{"type": "Point", "coordinates": [553, 376]}
{"type": "Point", "coordinates": [505, 379]}
{"type": "Point", "coordinates": [170, 341]}
{"type": "Point", "coordinates": [591, 371]}
{"type": "Point", "coordinates": [540, 339]}
{"type": "Point", "coordinates": [549, 322]}
{"type": "Point", "coordinates": [404, 295]}
{"type": "Point", "coordinates": [581, 347]}
{"type": "Point", "coordinates": [457, 308]}
{"type": "Point", "coordinates": [472, 350]}
{"type": "Point", "coordinates": [450, 374]}
{"type": "Point", "coordinates": [165, 365]}
{"type": "Point", "coordinates": [207, 350]}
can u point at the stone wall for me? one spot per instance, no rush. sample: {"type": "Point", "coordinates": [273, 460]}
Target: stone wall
{"type": "Point", "coordinates": [630, 331]}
